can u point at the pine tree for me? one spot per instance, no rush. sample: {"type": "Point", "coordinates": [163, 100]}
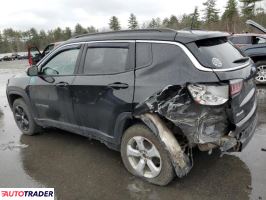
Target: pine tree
{"type": "Point", "coordinates": [114, 24]}
{"type": "Point", "coordinates": [67, 33]}
{"type": "Point", "coordinates": [1, 44]}
{"type": "Point", "coordinates": [58, 34]}
{"type": "Point", "coordinates": [186, 21]}
{"type": "Point", "coordinates": [132, 22]}
{"type": "Point", "coordinates": [195, 19]}
{"type": "Point", "coordinates": [210, 12]}
{"type": "Point", "coordinates": [152, 23]}
{"type": "Point", "coordinates": [155, 23]}
{"type": "Point", "coordinates": [230, 15]}
{"type": "Point", "coordinates": [248, 8]}
{"type": "Point", "coordinates": [79, 30]}
{"type": "Point", "coordinates": [173, 22]}
{"type": "Point", "coordinates": [165, 23]}
{"type": "Point", "coordinates": [92, 29]}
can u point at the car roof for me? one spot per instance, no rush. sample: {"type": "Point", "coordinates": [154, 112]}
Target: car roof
{"type": "Point", "coordinates": [183, 36]}
{"type": "Point", "coordinates": [248, 34]}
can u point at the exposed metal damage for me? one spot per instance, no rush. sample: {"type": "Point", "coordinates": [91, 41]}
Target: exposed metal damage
{"type": "Point", "coordinates": [205, 126]}
{"type": "Point", "coordinates": [180, 160]}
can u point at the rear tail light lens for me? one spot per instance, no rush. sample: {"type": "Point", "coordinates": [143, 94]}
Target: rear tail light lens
{"type": "Point", "coordinates": [235, 87]}
{"type": "Point", "coordinates": [209, 94]}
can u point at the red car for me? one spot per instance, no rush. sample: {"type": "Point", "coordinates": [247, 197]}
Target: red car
{"type": "Point", "coordinates": [35, 55]}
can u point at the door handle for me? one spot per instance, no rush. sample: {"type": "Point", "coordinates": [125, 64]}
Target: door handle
{"type": "Point", "coordinates": [62, 84]}
{"type": "Point", "coordinates": [118, 85]}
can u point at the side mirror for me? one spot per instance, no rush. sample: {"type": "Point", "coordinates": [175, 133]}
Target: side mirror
{"type": "Point", "coordinates": [33, 71]}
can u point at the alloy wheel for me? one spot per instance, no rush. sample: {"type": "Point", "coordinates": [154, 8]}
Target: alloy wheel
{"type": "Point", "coordinates": [22, 118]}
{"type": "Point", "coordinates": [144, 157]}
{"type": "Point", "coordinates": [261, 74]}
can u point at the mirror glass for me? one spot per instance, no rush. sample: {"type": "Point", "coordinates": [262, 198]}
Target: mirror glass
{"type": "Point", "coordinates": [32, 71]}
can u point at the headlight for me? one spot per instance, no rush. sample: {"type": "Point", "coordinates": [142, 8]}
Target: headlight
{"type": "Point", "coordinates": [209, 94]}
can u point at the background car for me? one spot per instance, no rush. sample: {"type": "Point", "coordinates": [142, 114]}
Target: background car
{"type": "Point", "coordinates": [14, 56]}
{"type": "Point", "coordinates": [254, 46]}
{"type": "Point", "coordinates": [22, 57]}
{"type": "Point", "coordinates": [35, 55]}
{"type": "Point", "coordinates": [7, 58]}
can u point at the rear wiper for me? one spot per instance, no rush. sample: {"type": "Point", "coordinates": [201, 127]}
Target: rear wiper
{"type": "Point", "coordinates": [241, 60]}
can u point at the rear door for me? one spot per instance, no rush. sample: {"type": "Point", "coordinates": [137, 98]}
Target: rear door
{"type": "Point", "coordinates": [103, 90]}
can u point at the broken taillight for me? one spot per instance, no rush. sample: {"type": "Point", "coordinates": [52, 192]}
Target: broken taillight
{"type": "Point", "coordinates": [206, 94]}
{"type": "Point", "coordinates": [235, 87]}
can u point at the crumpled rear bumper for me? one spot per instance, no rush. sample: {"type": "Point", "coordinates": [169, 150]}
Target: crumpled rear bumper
{"type": "Point", "coordinates": [245, 129]}
{"type": "Point", "coordinates": [237, 139]}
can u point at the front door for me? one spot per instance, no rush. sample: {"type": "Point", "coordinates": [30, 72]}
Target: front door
{"type": "Point", "coordinates": [103, 91]}
{"type": "Point", "coordinates": [50, 91]}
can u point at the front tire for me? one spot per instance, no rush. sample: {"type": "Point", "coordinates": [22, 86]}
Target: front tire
{"type": "Point", "coordinates": [23, 118]}
{"type": "Point", "coordinates": [144, 156]}
{"type": "Point", "coordinates": [261, 72]}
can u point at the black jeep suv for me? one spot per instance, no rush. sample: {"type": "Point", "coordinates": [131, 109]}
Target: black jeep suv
{"type": "Point", "coordinates": [153, 95]}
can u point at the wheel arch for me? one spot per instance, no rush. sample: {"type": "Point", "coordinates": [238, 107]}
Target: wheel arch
{"type": "Point", "coordinates": [180, 161]}
{"type": "Point", "coordinates": [123, 122]}
{"type": "Point", "coordinates": [12, 95]}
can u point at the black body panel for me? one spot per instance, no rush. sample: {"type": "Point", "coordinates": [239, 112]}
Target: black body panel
{"type": "Point", "coordinates": [170, 66]}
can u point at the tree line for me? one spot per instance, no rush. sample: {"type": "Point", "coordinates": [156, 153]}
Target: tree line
{"type": "Point", "coordinates": [231, 20]}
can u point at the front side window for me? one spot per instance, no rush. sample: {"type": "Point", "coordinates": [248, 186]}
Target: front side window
{"type": "Point", "coordinates": [62, 64]}
{"type": "Point", "coordinates": [106, 60]}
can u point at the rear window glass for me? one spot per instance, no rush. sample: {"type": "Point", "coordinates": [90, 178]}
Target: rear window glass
{"type": "Point", "coordinates": [219, 53]}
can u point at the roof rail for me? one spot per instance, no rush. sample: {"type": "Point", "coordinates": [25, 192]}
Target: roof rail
{"type": "Point", "coordinates": [127, 31]}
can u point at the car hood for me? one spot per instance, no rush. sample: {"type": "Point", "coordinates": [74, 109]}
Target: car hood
{"type": "Point", "coordinates": [256, 26]}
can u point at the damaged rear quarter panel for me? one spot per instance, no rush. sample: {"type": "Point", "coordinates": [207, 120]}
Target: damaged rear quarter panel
{"type": "Point", "coordinates": [161, 88]}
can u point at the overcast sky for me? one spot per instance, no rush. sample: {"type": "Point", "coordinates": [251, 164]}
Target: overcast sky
{"type": "Point", "coordinates": [48, 14]}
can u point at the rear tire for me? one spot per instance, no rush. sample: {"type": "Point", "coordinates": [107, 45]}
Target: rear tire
{"type": "Point", "coordinates": [140, 147]}
{"type": "Point", "coordinates": [261, 72]}
{"type": "Point", "coordinates": [24, 118]}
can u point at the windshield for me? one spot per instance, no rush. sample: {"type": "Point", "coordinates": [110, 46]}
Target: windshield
{"type": "Point", "coordinates": [219, 53]}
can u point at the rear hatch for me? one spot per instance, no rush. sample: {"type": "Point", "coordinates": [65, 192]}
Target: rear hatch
{"type": "Point", "coordinates": [231, 67]}
{"type": "Point", "coordinates": [256, 26]}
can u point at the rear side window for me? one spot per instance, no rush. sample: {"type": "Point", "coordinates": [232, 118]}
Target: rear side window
{"type": "Point", "coordinates": [106, 60]}
{"type": "Point", "coordinates": [143, 54]}
{"type": "Point", "coordinates": [219, 53]}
